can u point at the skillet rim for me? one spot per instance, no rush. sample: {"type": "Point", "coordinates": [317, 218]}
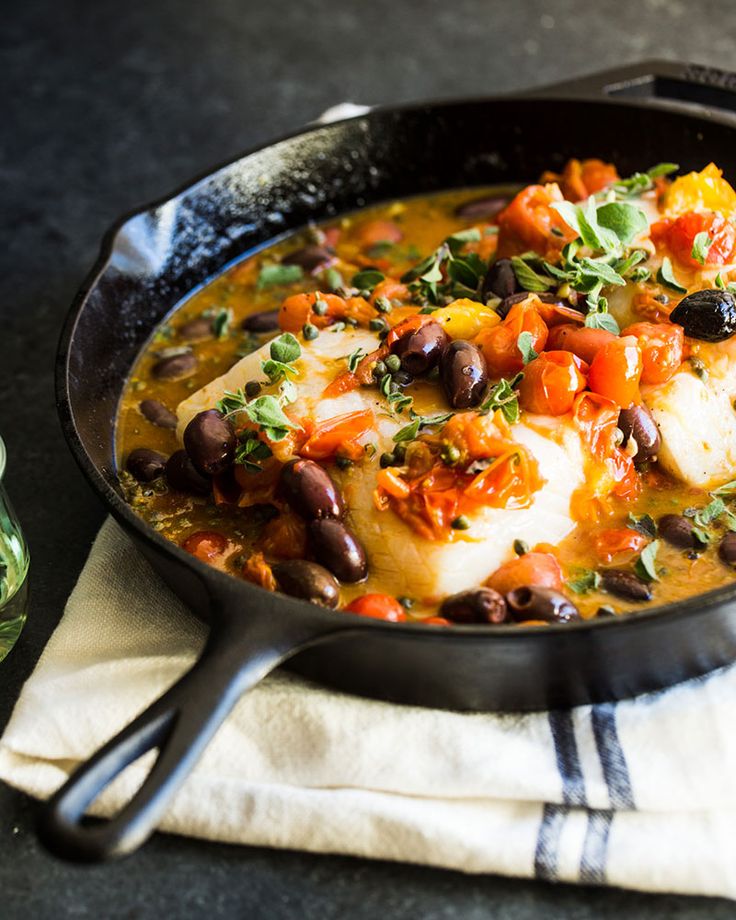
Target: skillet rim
{"type": "Point", "coordinates": [698, 604]}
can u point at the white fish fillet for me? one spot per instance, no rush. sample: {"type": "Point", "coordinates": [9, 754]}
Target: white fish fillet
{"type": "Point", "coordinates": [401, 562]}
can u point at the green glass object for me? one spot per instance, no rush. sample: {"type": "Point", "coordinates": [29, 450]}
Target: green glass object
{"type": "Point", "coordinates": [14, 561]}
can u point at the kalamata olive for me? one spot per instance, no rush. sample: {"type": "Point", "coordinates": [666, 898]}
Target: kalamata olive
{"type": "Point", "coordinates": [637, 422]}
{"type": "Point", "coordinates": [707, 315]}
{"type": "Point", "coordinates": [402, 378]}
{"type": "Point", "coordinates": [500, 280]}
{"type": "Point", "coordinates": [146, 465]}
{"type": "Point", "coordinates": [265, 321]}
{"type": "Point", "coordinates": [337, 549]}
{"type": "Point", "coordinates": [310, 491]}
{"type": "Point", "coordinates": [677, 530]}
{"type": "Point", "coordinates": [727, 549]}
{"type": "Point", "coordinates": [307, 580]}
{"type": "Point", "coordinates": [310, 258]}
{"type": "Point", "coordinates": [157, 413]}
{"type": "Point", "coordinates": [196, 329]}
{"type": "Point", "coordinates": [464, 374]}
{"type": "Point", "coordinates": [476, 605]}
{"type": "Point", "coordinates": [175, 367]}
{"type": "Point", "coordinates": [210, 441]}
{"type": "Point", "coordinates": [421, 350]}
{"type": "Point", "coordinates": [481, 208]}
{"type": "Point", "coordinates": [625, 585]}
{"type": "Point", "coordinates": [508, 302]}
{"type": "Point", "coordinates": [533, 603]}
{"type": "Point", "coordinates": [181, 475]}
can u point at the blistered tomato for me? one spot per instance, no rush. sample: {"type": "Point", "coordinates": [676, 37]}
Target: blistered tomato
{"type": "Point", "coordinates": [207, 545]}
{"type": "Point", "coordinates": [661, 347]}
{"type": "Point", "coordinates": [500, 345]}
{"type": "Point", "coordinates": [539, 570]}
{"type": "Point", "coordinates": [530, 222]}
{"type": "Point", "coordinates": [580, 340]}
{"type": "Point", "coordinates": [616, 370]}
{"type": "Point", "coordinates": [551, 382]}
{"type": "Point", "coordinates": [678, 236]}
{"type": "Point", "coordinates": [379, 606]}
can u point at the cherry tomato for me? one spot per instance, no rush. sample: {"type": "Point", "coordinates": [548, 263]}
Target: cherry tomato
{"type": "Point", "coordinates": [500, 344]}
{"type": "Point", "coordinates": [661, 347]}
{"type": "Point", "coordinates": [679, 235]}
{"type": "Point", "coordinates": [581, 179]}
{"type": "Point", "coordinates": [613, 542]}
{"type": "Point", "coordinates": [581, 341]}
{"type": "Point", "coordinates": [379, 606]}
{"type": "Point", "coordinates": [436, 621]}
{"type": "Point", "coordinates": [551, 382]}
{"type": "Point", "coordinates": [615, 371]}
{"type": "Point", "coordinates": [379, 231]}
{"type": "Point", "coordinates": [528, 222]}
{"type": "Point", "coordinates": [207, 545]}
{"type": "Point", "coordinates": [297, 310]}
{"type": "Point", "coordinates": [540, 570]}
{"type": "Point", "coordinates": [338, 435]}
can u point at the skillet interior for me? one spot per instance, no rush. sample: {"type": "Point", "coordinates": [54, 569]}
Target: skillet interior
{"type": "Point", "coordinates": [157, 256]}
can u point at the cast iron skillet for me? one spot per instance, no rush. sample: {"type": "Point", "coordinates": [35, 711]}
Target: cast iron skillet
{"type": "Point", "coordinates": [635, 117]}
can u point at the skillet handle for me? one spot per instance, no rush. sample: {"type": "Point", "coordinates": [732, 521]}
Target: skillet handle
{"type": "Point", "coordinates": [239, 652]}
{"type": "Point", "coordinates": [664, 82]}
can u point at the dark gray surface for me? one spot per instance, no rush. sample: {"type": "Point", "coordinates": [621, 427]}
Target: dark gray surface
{"type": "Point", "coordinates": [106, 105]}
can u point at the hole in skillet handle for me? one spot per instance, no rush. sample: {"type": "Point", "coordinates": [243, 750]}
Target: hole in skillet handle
{"type": "Point", "coordinates": [241, 650]}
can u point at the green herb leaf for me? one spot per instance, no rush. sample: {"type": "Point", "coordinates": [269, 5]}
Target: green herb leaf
{"type": "Point", "coordinates": [626, 221]}
{"type": "Point", "coordinates": [285, 348]}
{"type": "Point", "coordinates": [666, 277]}
{"type": "Point", "coordinates": [528, 279]}
{"type": "Point", "coordinates": [354, 359]}
{"type": "Point", "coordinates": [599, 320]}
{"type": "Point", "coordinates": [367, 279]}
{"type": "Point", "coordinates": [662, 169]}
{"type": "Point", "coordinates": [232, 402]}
{"type": "Point", "coordinates": [273, 274]}
{"type": "Point", "coordinates": [720, 283]}
{"type": "Point", "coordinates": [333, 279]}
{"type": "Point", "coordinates": [643, 524]}
{"type": "Point", "coordinates": [588, 580]}
{"type": "Point", "coordinates": [410, 431]}
{"type": "Point", "coordinates": [726, 490]}
{"type": "Point", "coordinates": [221, 322]}
{"type": "Point", "coordinates": [266, 412]}
{"type": "Point", "coordinates": [701, 246]}
{"type": "Point", "coordinates": [525, 344]}
{"type": "Point", "coordinates": [600, 271]}
{"type": "Point", "coordinates": [711, 512]}
{"type": "Point", "coordinates": [250, 450]}
{"type": "Point", "coordinates": [646, 567]}
{"type": "Point", "coordinates": [504, 396]}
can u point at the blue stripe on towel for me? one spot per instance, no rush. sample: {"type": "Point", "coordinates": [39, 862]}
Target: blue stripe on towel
{"type": "Point", "coordinates": [595, 847]}
{"type": "Point", "coordinates": [612, 757]}
{"type": "Point", "coordinates": [548, 841]}
{"type": "Point", "coordinates": [568, 761]}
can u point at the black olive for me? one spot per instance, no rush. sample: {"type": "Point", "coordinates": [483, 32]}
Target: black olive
{"type": "Point", "coordinates": [637, 422]}
{"type": "Point", "coordinates": [307, 580]}
{"type": "Point", "coordinates": [265, 321]}
{"type": "Point", "coordinates": [476, 605]}
{"type": "Point", "coordinates": [464, 374]}
{"type": "Point", "coordinates": [479, 209]}
{"type": "Point", "coordinates": [310, 491]}
{"type": "Point", "coordinates": [727, 549]}
{"type": "Point", "coordinates": [707, 315]}
{"type": "Point", "coordinates": [500, 280]}
{"type": "Point", "coordinates": [157, 413]}
{"type": "Point", "coordinates": [535, 603]}
{"type": "Point", "coordinates": [421, 350]}
{"type": "Point", "coordinates": [626, 585]}
{"type": "Point", "coordinates": [677, 530]}
{"type": "Point", "coordinates": [336, 548]}
{"type": "Point", "coordinates": [210, 441]}
{"type": "Point", "coordinates": [196, 329]}
{"type": "Point", "coordinates": [175, 367]}
{"type": "Point", "coordinates": [146, 465]}
{"type": "Point", "coordinates": [310, 258]}
{"type": "Point", "coordinates": [181, 475]}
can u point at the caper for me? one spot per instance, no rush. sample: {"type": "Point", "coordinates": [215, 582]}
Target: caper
{"type": "Point", "coordinates": [387, 459]}
{"type": "Point", "coordinates": [383, 305]}
{"type": "Point", "coordinates": [252, 389]}
{"type": "Point", "coordinates": [460, 523]}
{"type": "Point", "coordinates": [378, 324]}
{"type": "Point", "coordinates": [393, 363]}
{"type": "Point", "coordinates": [310, 332]}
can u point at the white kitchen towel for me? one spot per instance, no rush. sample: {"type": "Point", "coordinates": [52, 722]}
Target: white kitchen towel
{"type": "Point", "coordinates": [640, 794]}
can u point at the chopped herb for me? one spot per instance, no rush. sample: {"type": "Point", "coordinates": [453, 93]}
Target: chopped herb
{"type": "Point", "coordinates": [504, 396]}
{"type": "Point", "coordinates": [368, 279]}
{"type": "Point", "coordinates": [719, 282]}
{"type": "Point", "coordinates": [588, 580]}
{"type": "Point", "coordinates": [266, 412]}
{"type": "Point", "coordinates": [410, 431]}
{"type": "Point", "coordinates": [711, 512]}
{"type": "Point", "coordinates": [275, 274]}
{"type": "Point", "coordinates": [701, 245]}
{"type": "Point", "coordinates": [250, 450]}
{"type": "Point", "coordinates": [221, 322]}
{"type": "Point", "coordinates": [643, 524]}
{"type": "Point", "coordinates": [645, 566]}
{"type": "Point", "coordinates": [666, 276]}
{"type": "Point", "coordinates": [698, 366]}
{"type": "Point", "coordinates": [639, 183]}
{"type": "Point", "coordinates": [354, 359]}
{"type": "Point", "coordinates": [525, 344]}
{"type": "Point", "coordinates": [232, 401]}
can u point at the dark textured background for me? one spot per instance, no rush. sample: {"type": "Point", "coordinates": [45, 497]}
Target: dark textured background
{"type": "Point", "coordinates": [105, 105]}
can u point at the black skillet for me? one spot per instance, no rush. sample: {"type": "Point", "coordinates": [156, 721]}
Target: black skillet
{"type": "Point", "coordinates": [634, 117]}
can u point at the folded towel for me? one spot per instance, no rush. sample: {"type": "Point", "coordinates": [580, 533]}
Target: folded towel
{"type": "Point", "coordinates": [637, 794]}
